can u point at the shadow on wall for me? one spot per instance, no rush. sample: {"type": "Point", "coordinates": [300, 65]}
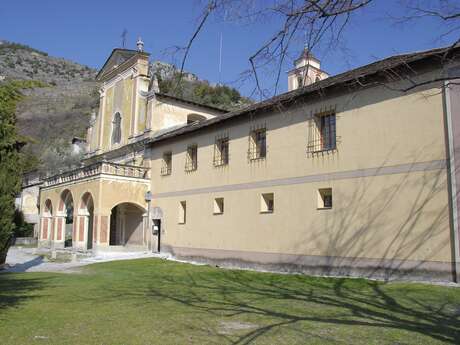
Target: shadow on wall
{"type": "Point", "coordinates": [361, 225]}
{"type": "Point", "coordinates": [305, 305]}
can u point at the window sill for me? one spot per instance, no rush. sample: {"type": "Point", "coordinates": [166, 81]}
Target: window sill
{"type": "Point", "coordinates": [220, 165]}
{"type": "Point", "coordinates": [165, 174]}
{"type": "Point", "coordinates": [322, 151]}
{"type": "Point", "coordinates": [324, 208]}
{"type": "Point", "coordinates": [266, 212]}
{"type": "Point", "coordinates": [181, 223]}
{"type": "Point", "coordinates": [257, 159]}
{"type": "Point", "coordinates": [217, 213]}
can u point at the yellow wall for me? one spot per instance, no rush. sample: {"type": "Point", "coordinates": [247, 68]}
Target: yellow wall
{"type": "Point", "coordinates": [118, 98]}
{"type": "Point", "coordinates": [386, 215]}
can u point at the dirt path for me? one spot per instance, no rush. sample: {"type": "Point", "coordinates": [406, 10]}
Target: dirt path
{"type": "Point", "coordinates": [26, 260]}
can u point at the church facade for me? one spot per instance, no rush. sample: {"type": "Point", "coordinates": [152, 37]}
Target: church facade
{"type": "Point", "coordinates": [353, 174]}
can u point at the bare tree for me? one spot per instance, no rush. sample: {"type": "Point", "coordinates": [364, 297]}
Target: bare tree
{"type": "Point", "coordinates": [317, 24]}
{"type": "Point", "coordinates": [446, 12]}
{"type": "Point", "coordinates": [312, 22]}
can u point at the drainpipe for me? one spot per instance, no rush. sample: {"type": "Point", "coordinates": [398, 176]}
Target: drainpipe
{"type": "Point", "coordinates": [451, 180]}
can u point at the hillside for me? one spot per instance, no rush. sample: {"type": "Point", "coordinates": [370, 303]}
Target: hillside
{"type": "Point", "coordinates": [192, 88]}
{"type": "Point", "coordinates": [50, 116]}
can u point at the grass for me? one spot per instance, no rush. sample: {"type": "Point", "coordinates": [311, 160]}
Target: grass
{"type": "Point", "coordinates": [152, 301]}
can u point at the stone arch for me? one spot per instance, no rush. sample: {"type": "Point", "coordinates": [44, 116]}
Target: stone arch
{"type": "Point", "coordinates": [48, 211]}
{"type": "Point", "coordinates": [47, 220]}
{"type": "Point", "coordinates": [86, 234]}
{"type": "Point", "coordinates": [65, 226]}
{"type": "Point", "coordinates": [191, 118]}
{"type": "Point", "coordinates": [127, 225]}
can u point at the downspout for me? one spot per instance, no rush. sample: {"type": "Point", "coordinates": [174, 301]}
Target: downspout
{"type": "Point", "coordinates": [452, 181]}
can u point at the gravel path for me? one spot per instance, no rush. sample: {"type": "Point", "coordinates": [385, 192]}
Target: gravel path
{"type": "Point", "coordinates": [26, 260]}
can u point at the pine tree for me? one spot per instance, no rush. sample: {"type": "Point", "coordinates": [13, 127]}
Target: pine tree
{"type": "Point", "coordinates": [10, 165]}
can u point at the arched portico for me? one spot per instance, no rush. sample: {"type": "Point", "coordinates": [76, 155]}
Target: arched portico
{"type": "Point", "coordinates": [83, 201]}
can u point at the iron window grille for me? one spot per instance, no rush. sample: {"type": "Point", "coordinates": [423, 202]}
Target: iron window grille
{"type": "Point", "coordinates": [191, 161]}
{"type": "Point", "coordinates": [257, 144]}
{"type": "Point", "coordinates": [166, 167]}
{"type": "Point", "coordinates": [322, 133]}
{"type": "Point", "coordinates": [221, 151]}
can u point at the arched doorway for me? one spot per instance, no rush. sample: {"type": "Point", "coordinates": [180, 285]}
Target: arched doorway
{"type": "Point", "coordinates": [66, 208]}
{"type": "Point", "coordinates": [127, 225]}
{"type": "Point", "coordinates": [86, 212]}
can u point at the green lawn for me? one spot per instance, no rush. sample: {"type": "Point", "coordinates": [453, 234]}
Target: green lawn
{"type": "Point", "coordinates": [152, 301]}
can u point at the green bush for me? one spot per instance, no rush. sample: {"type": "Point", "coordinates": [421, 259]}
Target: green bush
{"type": "Point", "coordinates": [21, 227]}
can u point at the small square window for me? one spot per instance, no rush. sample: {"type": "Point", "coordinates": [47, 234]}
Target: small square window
{"type": "Point", "coordinates": [182, 212]}
{"type": "Point", "coordinates": [324, 198]}
{"type": "Point", "coordinates": [218, 205]}
{"type": "Point", "coordinates": [166, 166]}
{"type": "Point", "coordinates": [267, 203]}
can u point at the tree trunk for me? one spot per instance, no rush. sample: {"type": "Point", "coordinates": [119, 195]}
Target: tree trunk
{"type": "Point", "coordinates": [4, 251]}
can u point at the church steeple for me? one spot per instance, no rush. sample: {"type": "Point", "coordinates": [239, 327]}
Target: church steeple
{"type": "Point", "coordinates": [306, 71]}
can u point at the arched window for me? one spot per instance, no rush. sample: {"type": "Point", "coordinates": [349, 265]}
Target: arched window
{"type": "Point", "coordinates": [299, 80]}
{"type": "Point", "coordinates": [116, 129]}
{"type": "Point", "coordinates": [191, 118]}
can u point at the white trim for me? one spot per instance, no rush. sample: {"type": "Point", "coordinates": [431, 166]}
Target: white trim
{"type": "Point", "coordinates": [105, 177]}
{"type": "Point", "coordinates": [121, 76]}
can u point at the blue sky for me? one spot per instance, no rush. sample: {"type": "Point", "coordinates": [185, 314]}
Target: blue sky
{"type": "Point", "coordinates": [86, 31]}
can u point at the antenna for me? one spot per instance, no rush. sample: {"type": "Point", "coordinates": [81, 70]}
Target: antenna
{"type": "Point", "coordinates": [220, 60]}
{"type": "Point", "coordinates": [123, 38]}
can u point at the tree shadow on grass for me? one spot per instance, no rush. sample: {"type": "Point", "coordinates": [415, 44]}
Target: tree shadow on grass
{"type": "Point", "coordinates": [280, 303]}
{"type": "Point", "coordinates": [17, 289]}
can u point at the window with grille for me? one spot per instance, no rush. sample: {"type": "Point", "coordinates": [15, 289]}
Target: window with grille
{"type": "Point", "coordinates": [166, 167]}
{"type": "Point", "coordinates": [191, 161]}
{"type": "Point", "coordinates": [221, 151]}
{"type": "Point", "coordinates": [322, 133]}
{"type": "Point", "coordinates": [257, 144]}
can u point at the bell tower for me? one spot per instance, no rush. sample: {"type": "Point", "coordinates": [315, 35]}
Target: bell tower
{"type": "Point", "coordinates": [306, 71]}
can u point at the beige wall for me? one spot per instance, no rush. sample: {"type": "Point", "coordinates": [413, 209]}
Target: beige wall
{"type": "Point", "coordinates": [166, 112]}
{"type": "Point", "coordinates": [397, 209]}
